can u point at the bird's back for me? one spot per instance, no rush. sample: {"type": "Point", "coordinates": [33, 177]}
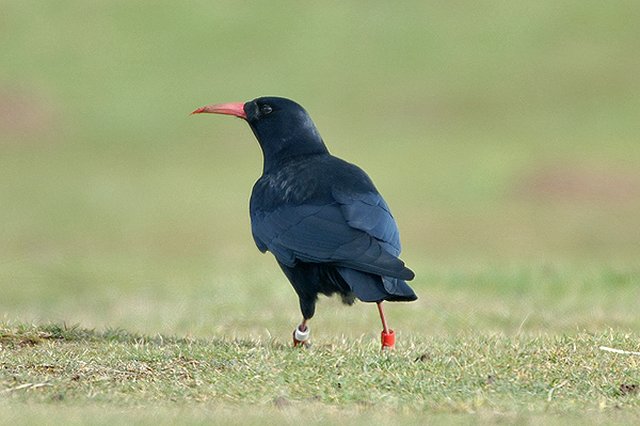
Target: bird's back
{"type": "Point", "coordinates": [308, 179]}
{"type": "Point", "coordinates": [326, 210]}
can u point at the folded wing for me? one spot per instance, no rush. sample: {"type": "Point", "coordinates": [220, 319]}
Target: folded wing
{"type": "Point", "coordinates": [354, 231]}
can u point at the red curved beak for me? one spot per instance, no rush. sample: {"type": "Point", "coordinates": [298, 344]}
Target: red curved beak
{"type": "Point", "coordinates": [235, 108]}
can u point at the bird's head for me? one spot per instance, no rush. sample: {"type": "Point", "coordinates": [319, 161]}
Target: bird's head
{"type": "Point", "coordinates": [283, 128]}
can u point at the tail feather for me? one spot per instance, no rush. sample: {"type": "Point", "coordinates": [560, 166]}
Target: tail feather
{"type": "Point", "coordinates": [374, 288]}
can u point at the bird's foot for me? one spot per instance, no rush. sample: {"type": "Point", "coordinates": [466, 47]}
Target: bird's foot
{"type": "Point", "coordinates": [301, 336]}
{"type": "Point", "coordinates": [388, 339]}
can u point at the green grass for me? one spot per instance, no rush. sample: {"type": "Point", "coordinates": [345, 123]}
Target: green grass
{"type": "Point", "coordinates": [502, 134]}
{"type": "Point", "coordinates": [493, 375]}
{"type": "Point", "coordinates": [508, 344]}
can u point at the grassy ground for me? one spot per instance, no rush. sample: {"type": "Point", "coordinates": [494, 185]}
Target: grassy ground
{"type": "Point", "coordinates": [519, 346]}
{"type": "Point", "coordinates": [495, 376]}
{"type": "Point", "coordinates": [503, 135]}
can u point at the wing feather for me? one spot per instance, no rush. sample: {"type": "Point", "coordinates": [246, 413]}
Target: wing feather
{"type": "Point", "coordinates": [325, 233]}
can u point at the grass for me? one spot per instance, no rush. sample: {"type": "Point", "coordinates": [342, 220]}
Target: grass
{"type": "Point", "coordinates": [495, 375]}
{"type": "Point", "coordinates": [517, 347]}
{"type": "Point", "coordinates": [503, 136]}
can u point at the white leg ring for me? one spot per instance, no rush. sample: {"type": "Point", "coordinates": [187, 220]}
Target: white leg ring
{"type": "Point", "coordinates": [301, 336]}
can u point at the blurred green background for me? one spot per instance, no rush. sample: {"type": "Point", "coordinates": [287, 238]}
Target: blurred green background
{"type": "Point", "coordinates": [504, 135]}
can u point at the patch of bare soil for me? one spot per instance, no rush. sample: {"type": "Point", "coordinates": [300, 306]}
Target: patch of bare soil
{"type": "Point", "coordinates": [24, 115]}
{"type": "Point", "coordinates": [573, 183]}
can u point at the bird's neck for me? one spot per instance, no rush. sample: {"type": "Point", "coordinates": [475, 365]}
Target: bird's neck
{"type": "Point", "coordinates": [276, 154]}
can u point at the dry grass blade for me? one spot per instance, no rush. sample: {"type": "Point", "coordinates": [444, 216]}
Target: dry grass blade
{"type": "Point", "coordinates": [26, 386]}
{"type": "Point", "coordinates": [618, 351]}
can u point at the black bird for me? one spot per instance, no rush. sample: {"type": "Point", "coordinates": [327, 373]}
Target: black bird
{"type": "Point", "coordinates": [321, 217]}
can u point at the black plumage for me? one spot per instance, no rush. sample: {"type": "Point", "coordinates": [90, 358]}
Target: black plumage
{"type": "Point", "coordinates": [322, 218]}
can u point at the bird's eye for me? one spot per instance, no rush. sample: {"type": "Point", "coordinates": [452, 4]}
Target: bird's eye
{"type": "Point", "coordinates": [265, 109]}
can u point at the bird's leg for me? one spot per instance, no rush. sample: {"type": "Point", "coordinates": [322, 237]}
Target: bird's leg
{"type": "Point", "coordinates": [301, 334]}
{"type": "Point", "coordinates": [388, 335]}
